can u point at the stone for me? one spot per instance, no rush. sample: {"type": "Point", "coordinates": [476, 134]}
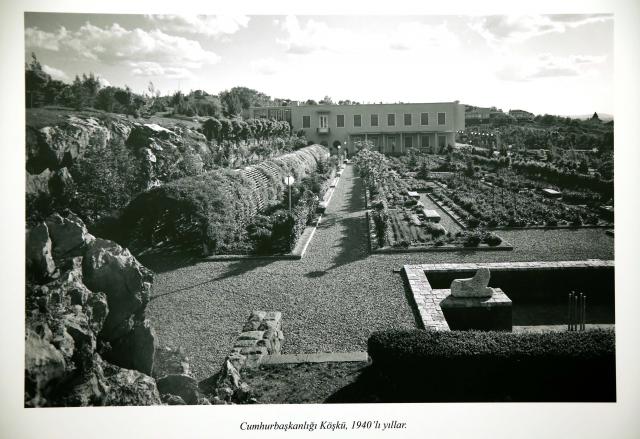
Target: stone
{"type": "Point", "coordinates": [136, 349]}
{"type": "Point", "coordinates": [44, 367]}
{"type": "Point", "coordinates": [173, 400]}
{"type": "Point", "coordinates": [111, 269]}
{"type": "Point", "coordinates": [168, 361]}
{"type": "Point", "coordinates": [38, 184]}
{"type": "Point", "coordinates": [130, 387]}
{"type": "Point", "coordinates": [69, 236]}
{"type": "Point", "coordinates": [97, 310]}
{"type": "Point", "coordinates": [40, 263]}
{"type": "Point", "coordinates": [477, 286]}
{"type": "Point", "coordinates": [184, 386]}
{"type": "Point", "coordinates": [61, 182]}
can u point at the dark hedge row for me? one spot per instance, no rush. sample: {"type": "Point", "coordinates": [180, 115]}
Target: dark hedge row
{"type": "Point", "coordinates": [494, 366]}
{"type": "Point", "coordinates": [212, 211]}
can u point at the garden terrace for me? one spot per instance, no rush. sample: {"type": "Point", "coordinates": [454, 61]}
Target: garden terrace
{"type": "Point", "coordinates": [489, 205]}
{"type": "Point", "coordinates": [210, 212]}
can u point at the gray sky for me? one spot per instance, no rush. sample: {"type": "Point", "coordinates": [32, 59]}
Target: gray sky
{"type": "Point", "coordinates": [559, 64]}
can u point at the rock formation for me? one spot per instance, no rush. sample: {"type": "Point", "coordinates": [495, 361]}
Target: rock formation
{"type": "Point", "coordinates": [87, 340]}
{"type": "Point", "coordinates": [477, 286]}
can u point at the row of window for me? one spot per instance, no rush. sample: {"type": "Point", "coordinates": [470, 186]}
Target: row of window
{"type": "Point", "coordinates": [407, 141]}
{"type": "Point", "coordinates": [357, 120]}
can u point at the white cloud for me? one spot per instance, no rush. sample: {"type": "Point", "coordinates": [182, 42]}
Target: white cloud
{"type": "Point", "coordinates": [116, 44]}
{"type": "Point", "coordinates": [55, 73]}
{"type": "Point", "coordinates": [266, 66]}
{"type": "Point", "coordinates": [209, 25]}
{"type": "Point", "coordinates": [316, 36]}
{"type": "Point", "coordinates": [414, 35]}
{"type": "Point", "coordinates": [155, 69]}
{"type": "Point", "coordinates": [547, 66]}
{"type": "Point", "coordinates": [511, 28]}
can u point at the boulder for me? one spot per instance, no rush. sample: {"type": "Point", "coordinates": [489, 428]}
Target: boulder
{"type": "Point", "coordinates": [61, 182]}
{"type": "Point", "coordinates": [38, 184]}
{"type": "Point", "coordinates": [184, 386]}
{"type": "Point", "coordinates": [136, 349]}
{"type": "Point", "coordinates": [111, 269]}
{"type": "Point", "coordinates": [168, 361]}
{"type": "Point", "coordinates": [130, 387]}
{"type": "Point", "coordinates": [477, 286]}
{"type": "Point", "coordinates": [44, 367]}
{"type": "Point", "coordinates": [69, 236]}
{"type": "Point", "coordinates": [173, 400]}
{"type": "Point", "coordinates": [40, 263]}
{"type": "Point", "coordinates": [97, 310]}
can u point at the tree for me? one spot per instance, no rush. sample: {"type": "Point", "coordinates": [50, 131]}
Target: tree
{"type": "Point", "coordinates": [35, 81]}
{"type": "Point", "coordinates": [326, 100]}
{"type": "Point", "coordinates": [311, 102]}
{"type": "Point", "coordinates": [212, 129]}
{"type": "Point", "coordinates": [424, 172]}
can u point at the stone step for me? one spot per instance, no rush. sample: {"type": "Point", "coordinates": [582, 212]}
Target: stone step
{"type": "Point", "coordinates": [321, 357]}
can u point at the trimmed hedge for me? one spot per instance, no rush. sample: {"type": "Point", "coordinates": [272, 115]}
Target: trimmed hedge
{"type": "Point", "coordinates": [494, 366]}
{"type": "Point", "coordinates": [213, 210]}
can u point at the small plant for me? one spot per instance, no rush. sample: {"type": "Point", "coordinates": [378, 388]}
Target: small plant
{"type": "Point", "coordinates": [492, 239]}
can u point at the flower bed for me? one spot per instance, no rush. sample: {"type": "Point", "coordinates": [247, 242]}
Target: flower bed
{"type": "Point", "coordinates": [493, 206]}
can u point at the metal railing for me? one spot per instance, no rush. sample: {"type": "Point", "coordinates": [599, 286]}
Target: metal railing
{"type": "Point", "coordinates": [577, 310]}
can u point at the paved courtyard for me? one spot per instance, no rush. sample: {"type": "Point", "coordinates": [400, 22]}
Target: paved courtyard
{"type": "Point", "coordinates": [333, 298]}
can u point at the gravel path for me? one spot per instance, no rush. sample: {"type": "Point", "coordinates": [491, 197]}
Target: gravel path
{"type": "Point", "coordinates": [331, 300]}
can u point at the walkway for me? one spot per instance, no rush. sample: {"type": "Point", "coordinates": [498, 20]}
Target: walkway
{"type": "Point", "coordinates": [332, 299]}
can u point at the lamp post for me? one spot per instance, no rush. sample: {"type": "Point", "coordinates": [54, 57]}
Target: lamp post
{"type": "Point", "coordinates": [288, 180]}
{"type": "Point", "coordinates": [338, 153]}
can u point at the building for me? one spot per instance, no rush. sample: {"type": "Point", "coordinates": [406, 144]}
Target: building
{"type": "Point", "coordinates": [392, 128]}
{"type": "Point", "coordinates": [481, 114]}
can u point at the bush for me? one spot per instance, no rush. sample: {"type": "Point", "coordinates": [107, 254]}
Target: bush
{"type": "Point", "coordinates": [417, 365]}
{"type": "Point", "coordinates": [492, 239]}
{"type": "Point", "coordinates": [472, 239]}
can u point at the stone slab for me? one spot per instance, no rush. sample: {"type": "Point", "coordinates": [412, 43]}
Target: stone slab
{"type": "Point", "coordinates": [323, 357]}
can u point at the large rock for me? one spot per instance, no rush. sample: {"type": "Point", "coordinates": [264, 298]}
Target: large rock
{"type": "Point", "coordinates": [38, 184]}
{"type": "Point", "coordinates": [40, 263]}
{"type": "Point", "coordinates": [136, 349]}
{"type": "Point", "coordinates": [130, 387]}
{"type": "Point", "coordinates": [111, 269]}
{"type": "Point", "coordinates": [44, 367]}
{"type": "Point", "coordinates": [60, 145]}
{"type": "Point", "coordinates": [61, 182]}
{"type": "Point", "coordinates": [476, 286]}
{"type": "Point", "coordinates": [184, 386]}
{"type": "Point", "coordinates": [69, 236]}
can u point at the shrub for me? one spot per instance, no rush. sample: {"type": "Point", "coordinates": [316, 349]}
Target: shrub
{"type": "Point", "coordinates": [472, 239]}
{"type": "Point", "coordinates": [434, 229]}
{"type": "Point", "coordinates": [492, 239]}
{"type": "Point", "coordinates": [417, 365]}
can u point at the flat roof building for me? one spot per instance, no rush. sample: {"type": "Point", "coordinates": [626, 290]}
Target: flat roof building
{"type": "Point", "coordinates": [392, 128]}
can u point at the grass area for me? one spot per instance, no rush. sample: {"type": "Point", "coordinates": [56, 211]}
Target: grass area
{"type": "Point", "coordinates": [305, 383]}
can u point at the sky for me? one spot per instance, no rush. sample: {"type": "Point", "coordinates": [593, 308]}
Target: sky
{"type": "Point", "coordinates": [556, 64]}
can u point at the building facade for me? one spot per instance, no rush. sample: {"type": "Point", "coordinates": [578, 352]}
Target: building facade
{"type": "Point", "coordinates": [392, 128]}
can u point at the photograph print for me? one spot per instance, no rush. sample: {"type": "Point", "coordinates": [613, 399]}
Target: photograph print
{"type": "Point", "coordinates": [318, 209]}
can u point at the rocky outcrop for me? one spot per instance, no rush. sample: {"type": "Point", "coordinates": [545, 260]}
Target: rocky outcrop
{"type": "Point", "coordinates": [59, 145]}
{"type": "Point", "coordinates": [87, 341]}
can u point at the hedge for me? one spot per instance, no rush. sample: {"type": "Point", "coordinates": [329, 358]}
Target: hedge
{"type": "Point", "coordinates": [212, 210]}
{"type": "Point", "coordinates": [494, 366]}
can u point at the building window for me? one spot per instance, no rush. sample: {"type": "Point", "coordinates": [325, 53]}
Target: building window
{"type": "Point", "coordinates": [374, 120]}
{"type": "Point", "coordinates": [424, 118]}
{"type": "Point", "coordinates": [424, 140]}
{"type": "Point", "coordinates": [391, 120]}
{"type": "Point", "coordinates": [408, 142]}
{"type": "Point", "coordinates": [357, 120]}
{"type": "Point", "coordinates": [442, 141]}
{"type": "Point", "coordinates": [407, 119]}
{"type": "Point", "coordinates": [306, 121]}
{"type": "Point", "coordinates": [340, 121]}
{"type": "Point", "coordinates": [324, 121]}
{"type": "Point", "coordinates": [442, 118]}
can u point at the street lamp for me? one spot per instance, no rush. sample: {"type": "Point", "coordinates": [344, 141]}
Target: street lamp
{"type": "Point", "coordinates": [288, 180]}
{"type": "Point", "coordinates": [338, 153]}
